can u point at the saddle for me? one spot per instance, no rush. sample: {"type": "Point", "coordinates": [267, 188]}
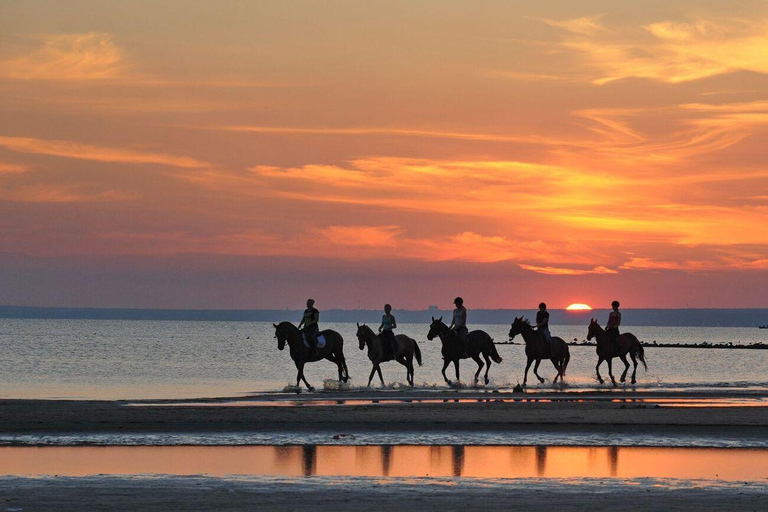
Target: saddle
{"type": "Point", "coordinates": [320, 340]}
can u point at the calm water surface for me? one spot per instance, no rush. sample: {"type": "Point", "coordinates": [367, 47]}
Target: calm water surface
{"type": "Point", "coordinates": [164, 359]}
{"type": "Point", "coordinates": [393, 461]}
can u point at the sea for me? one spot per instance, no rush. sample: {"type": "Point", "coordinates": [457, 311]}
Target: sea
{"type": "Point", "coordinates": [136, 359]}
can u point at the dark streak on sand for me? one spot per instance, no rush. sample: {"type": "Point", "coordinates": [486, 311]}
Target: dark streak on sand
{"type": "Point", "coordinates": [594, 412]}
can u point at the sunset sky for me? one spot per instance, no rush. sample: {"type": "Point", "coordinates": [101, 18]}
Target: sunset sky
{"type": "Point", "coordinates": [198, 154]}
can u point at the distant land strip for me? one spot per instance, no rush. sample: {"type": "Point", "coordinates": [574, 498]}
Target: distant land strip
{"type": "Point", "coordinates": [631, 317]}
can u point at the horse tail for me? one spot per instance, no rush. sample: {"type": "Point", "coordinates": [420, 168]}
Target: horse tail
{"type": "Point", "coordinates": [417, 352]}
{"type": "Point", "coordinates": [641, 354]}
{"type": "Point", "coordinates": [495, 354]}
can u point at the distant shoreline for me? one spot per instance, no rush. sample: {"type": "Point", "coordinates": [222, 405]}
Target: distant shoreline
{"type": "Point", "coordinates": [635, 317]}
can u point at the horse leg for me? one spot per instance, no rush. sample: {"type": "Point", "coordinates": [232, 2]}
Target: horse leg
{"type": "Point", "coordinates": [381, 377]}
{"type": "Point", "coordinates": [610, 370]}
{"type": "Point", "coordinates": [487, 368]}
{"type": "Point", "coordinates": [446, 362]}
{"type": "Point", "coordinates": [634, 370]}
{"type": "Point", "coordinates": [456, 366]}
{"type": "Point", "coordinates": [626, 367]}
{"type": "Point", "coordinates": [408, 363]}
{"type": "Point", "coordinates": [527, 366]}
{"type": "Point", "coordinates": [373, 372]}
{"type": "Point", "coordinates": [536, 371]}
{"type": "Point", "coordinates": [335, 360]}
{"type": "Point", "coordinates": [557, 368]}
{"type": "Point", "coordinates": [597, 370]}
{"type": "Point", "coordinates": [300, 377]}
{"type": "Point", "coordinates": [480, 365]}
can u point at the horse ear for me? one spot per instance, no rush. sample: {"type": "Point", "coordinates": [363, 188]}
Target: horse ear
{"type": "Point", "coordinates": [358, 325]}
{"type": "Point", "coordinates": [441, 318]}
{"type": "Point", "coordinates": [274, 325]}
{"type": "Point", "coordinates": [433, 319]}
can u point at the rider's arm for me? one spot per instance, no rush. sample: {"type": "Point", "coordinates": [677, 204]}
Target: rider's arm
{"type": "Point", "coordinates": [381, 327]}
{"type": "Point", "coordinates": [302, 322]}
{"type": "Point", "coordinates": [618, 318]}
{"type": "Point", "coordinates": [394, 322]}
{"type": "Point", "coordinates": [464, 317]}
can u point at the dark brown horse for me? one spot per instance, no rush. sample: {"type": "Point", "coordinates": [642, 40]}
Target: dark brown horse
{"type": "Point", "coordinates": [332, 351]}
{"type": "Point", "coordinates": [606, 351]}
{"type": "Point", "coordinates": [406, 349]}
{"type": "Point", "coordinates": [537, 348]}
{"type": "Point", "coordinates": [478, 342]}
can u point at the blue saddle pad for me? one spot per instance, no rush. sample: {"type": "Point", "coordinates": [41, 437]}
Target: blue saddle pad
{"type": "Point", "coordinates": [320, 340]}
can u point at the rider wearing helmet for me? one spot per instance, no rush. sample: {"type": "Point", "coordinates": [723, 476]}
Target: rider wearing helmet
{"type": "Point", "coordinates": [388, 323]}
{"type": "Point", "coordinates": [614, 321]}
{"type": "Point", "coordinates": [459, 322]}
{"type": "Point", "coordinates": [542, 322]}
{"type": "Point", "coordinates": [310, 327]}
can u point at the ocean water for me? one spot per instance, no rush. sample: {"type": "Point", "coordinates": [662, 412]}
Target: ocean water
{"type": "Point", "coordinates": [115, 359]}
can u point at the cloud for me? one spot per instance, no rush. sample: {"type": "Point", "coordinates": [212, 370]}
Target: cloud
{"type": "Point", "coordinates": [70, 149]}
{"type": "Point", "coordinates": [69, 57]}
{"type": "Point", "coordinates": [560, 271]}
{"type": "Point", "coordinates": [6, 168]}
{"type": "Point", "coordinates": [41, 193]}
{"type": "Point", "coordinates": [366, 236]}
{"type": "Point", "coordinates": [586, 25]}
{"type": "Point", "coordinates": [668, 51]}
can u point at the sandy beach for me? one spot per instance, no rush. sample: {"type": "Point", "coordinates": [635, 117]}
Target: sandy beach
{"type": "Point", "coordinates": [279, 494]}
{"type": "Point", "coordinates": [542, 415]}
{"type": "Point", "coordinates": [608, 411]}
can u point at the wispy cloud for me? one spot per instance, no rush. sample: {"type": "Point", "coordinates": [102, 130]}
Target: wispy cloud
{"type": "Point", "coordinates": [562, 271]}
{"type": "Point", "coordinates": [70, 149]}
{"type": "Point", "coordinates": [41, 193]}
{"type": "Point", "coordinates": [6, 168]}
{"type": "Point", "coordinates": [68, 57]}
{"type": "Point", "coordinates": [585, 25]}
{"type": "Point", "coordinates": [668, 51]}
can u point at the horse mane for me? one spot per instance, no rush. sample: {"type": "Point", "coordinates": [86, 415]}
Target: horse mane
{"type": "Point", "coordinates": [525, 321]}
{"type": "Point", "coordinates": [367, 328]}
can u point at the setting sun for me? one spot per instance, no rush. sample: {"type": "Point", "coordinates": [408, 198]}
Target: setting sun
{"type": "Point", "coordinates": [579, 307]}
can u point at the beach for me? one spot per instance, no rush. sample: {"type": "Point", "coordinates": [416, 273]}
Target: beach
{"type": "Point", "coordinates": [170, 479]}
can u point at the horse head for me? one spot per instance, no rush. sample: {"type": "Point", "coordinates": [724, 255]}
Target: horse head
{"type": "Point", "coordinates": [364, 334]}
{"type": "Point", "coordinates": [282, 333]}
{"type": "Point", "coordinates": [435, 328]}
{"type": "Point", "coordinates": [516, 328]}
{"type": "Point", "coordinates": [594, 329]}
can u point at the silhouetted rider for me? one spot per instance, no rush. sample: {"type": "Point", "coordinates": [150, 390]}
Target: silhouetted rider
{"type": "Point", "coordinates": [612, 327]}
{"type": "Point", "coordinates": [459, 323]}
{"type": "Point", "coordinates": [542, 322]}
{"type": "Point", "coordinates": [310, 326]}
{"type": "Point", "coordinates": [388, 323]}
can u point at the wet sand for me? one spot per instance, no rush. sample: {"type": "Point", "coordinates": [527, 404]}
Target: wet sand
{"type": "Point", "coordinates": [607, 411]}
{"type": "Point", "coordinates": [353, 494]}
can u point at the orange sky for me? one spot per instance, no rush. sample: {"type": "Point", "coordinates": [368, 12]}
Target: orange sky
{"type": "Point", "coordinates": [247, 154]}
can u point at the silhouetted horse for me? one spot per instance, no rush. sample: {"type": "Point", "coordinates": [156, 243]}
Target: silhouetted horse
{"type": "Point", "coordinates": [538, 348]}
{"type": "Point", "coordinates": [406, 349]}
{"type": "Point", "coordinates": [606, 351]}
{"type": "Point", "coordinates": [478, 342]}
{"type": "Point", "coordinates": [332, 351]}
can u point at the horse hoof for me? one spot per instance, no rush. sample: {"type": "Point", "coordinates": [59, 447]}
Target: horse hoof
{"type": "Point", "coordinates": [487, 381]}
{"type": "Point", "coordinates": [601, 381]}
{"type": "Point", "coordinates": [634, 381]}
{"type": "Point", "coordinates": [541, 380]}
{"type": "Point", "coordinates": [311, 388]}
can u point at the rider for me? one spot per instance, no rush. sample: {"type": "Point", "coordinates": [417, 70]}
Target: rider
{"type": "Point", "coordinates": [542, 322]}
{"type": "Point", "coordinates": [614, 321]}
{"type": "Point", "coordinates": [388, 323]}
{"type": "Point", "coordinates": [459, 323]}
{"type": "Point", "coordinates": [309, 322]}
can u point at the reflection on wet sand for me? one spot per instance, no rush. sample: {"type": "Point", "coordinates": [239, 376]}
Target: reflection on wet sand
{"type": "Point", "coordinates": [394, 461]}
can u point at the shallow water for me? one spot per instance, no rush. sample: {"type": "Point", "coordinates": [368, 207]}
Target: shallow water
{"type": "Point", "coordinates": [114, 359]}
{"type": "Point", "coordinates": [392, 461]}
